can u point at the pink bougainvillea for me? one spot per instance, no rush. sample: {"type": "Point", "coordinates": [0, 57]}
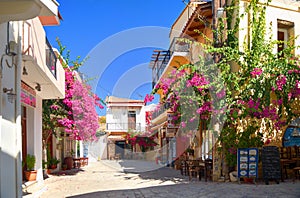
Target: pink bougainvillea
{"type": "Point", "coordinates": [256, 72]}
{"type": "Point", "coordinates": [77, 111]}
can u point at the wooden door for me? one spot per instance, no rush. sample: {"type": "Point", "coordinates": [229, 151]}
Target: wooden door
{"type": "Point", "coordinates": [24, 135]}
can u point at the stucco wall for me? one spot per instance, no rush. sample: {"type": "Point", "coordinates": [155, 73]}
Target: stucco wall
{"type": "Point", "coordinates": [9, 149]}
{"type": "Point", "coordinates": [272, 15]}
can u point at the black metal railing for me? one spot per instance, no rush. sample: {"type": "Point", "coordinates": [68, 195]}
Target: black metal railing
{"type": "Point", "coordinates": [177, 45]}
{"type": "Point", "coordinates": [123, 126]}
{"type": "Point", "coordinates": [161, 110]}
{"type": "Point", "coordinates": [51, 58]}
{"type": "Point", "coordinates": [159, 67]}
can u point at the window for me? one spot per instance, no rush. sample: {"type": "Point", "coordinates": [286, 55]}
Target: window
{"type": "Point", "coordinates": [132, 120]}
{"type": "Point", "coordinates": [285, 31]}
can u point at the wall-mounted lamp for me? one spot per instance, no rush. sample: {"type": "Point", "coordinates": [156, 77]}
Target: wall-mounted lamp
{"type": "Point", "coordinates": [220, 12]}
{"type": "Point", "coordinates": [38, 87]}
{"type": "Point", "coordinates": [25, 73]}
{"type": "Point", "coordinates": [10, 95]}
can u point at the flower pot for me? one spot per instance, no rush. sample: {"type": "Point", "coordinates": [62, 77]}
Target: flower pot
{"type": "Point", "coordinates": [53, 166]}
{"type": "Point", "coordinates": [69, 162]}
{"type": "Point", "coordinates": [248, 180]}
{"type": "Point", "coordinates": [30, 175]}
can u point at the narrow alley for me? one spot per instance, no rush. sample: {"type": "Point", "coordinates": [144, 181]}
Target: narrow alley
{"type": "Point", "coordinates": [132, 178]}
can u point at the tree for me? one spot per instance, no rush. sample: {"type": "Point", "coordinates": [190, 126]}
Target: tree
{"type": "Point", "coordinates": [76, 113]}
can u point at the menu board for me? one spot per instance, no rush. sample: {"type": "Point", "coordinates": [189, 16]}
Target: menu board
{"type": "Point", "coordinates": [247, 161]}
{"type": "Point", "coordinates": [271, 163]}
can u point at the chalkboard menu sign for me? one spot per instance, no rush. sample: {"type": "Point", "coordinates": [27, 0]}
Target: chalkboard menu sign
{"type": "Point", "coordinates": [247, 161]}
{"type": "Point", "coordinates": [271, 163]}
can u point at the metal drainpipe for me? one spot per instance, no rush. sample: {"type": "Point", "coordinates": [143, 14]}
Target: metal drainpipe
{"type": "Point", "coordinates": [18, 115]}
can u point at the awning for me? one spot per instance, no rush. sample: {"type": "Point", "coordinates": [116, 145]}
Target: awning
{"type": "Point", "coordinates": [116, 138]}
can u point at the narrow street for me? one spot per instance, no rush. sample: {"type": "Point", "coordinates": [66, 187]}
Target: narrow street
{"type": "Point", "coordinates": [139, 179]}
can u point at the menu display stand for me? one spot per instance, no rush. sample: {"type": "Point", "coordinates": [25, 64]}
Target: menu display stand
{"type": "Point", "coordinates": [271, 163]}
{"type": "Point", "coordinates": [247, 162]}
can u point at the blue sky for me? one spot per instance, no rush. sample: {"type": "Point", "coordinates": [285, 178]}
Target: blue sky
{"type": "Point", "coordinates": [118, 37]}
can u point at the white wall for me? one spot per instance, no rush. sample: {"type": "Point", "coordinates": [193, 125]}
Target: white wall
{"type": "Point", "coordinates": [38, 148]}
{"type": "Point", "coordinates": [272, 14]}
{"type": "Point", "coordinates": [34, 135]}
{"type": "Point", "coordinates": [120, 115]}
{"type": "Point", "coordinates": [10, 151]}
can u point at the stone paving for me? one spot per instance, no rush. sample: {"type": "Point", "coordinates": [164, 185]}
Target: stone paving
{"type": "Point", "coordinates": [140, 179]}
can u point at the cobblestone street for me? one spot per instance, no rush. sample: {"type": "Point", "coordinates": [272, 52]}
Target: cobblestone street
{"type": "Point", "coordinates": [145, 179]}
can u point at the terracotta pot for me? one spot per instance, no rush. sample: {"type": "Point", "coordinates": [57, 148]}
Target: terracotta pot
{"type": "Point", "coordinates": [248, 180]}
{"type": "Point", "coordinates": [30, 175]}
{"type": "Point", "coordinates": [69, 162]}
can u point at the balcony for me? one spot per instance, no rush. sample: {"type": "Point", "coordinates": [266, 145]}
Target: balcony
{"type": "Point", "coordinates": [188, 20]}
{"type": "Point", "coordinates": [17, 10]}
{"type": "Point", "coordinates": [162, 109]}
{"type": "Point", "coordinates": [50, 58]}
{"type": "Point", "coordinates": [123, 126]}
{"type": "Point", "coordinates": [40, 62]}
{"type": "Point", "coordinates": [163, 61]}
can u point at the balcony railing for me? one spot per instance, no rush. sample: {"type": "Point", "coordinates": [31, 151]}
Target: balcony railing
{"type": "Point", "coordinates": [161, 110]}
{"type": "Point", "coordinates": [51, 58]}
{"type": "Point", "coordinates": [31, 44]}
{"type": "Point", "coordinates": [163, 57]}
{"type": "Point", "coordinates": [124, 126]}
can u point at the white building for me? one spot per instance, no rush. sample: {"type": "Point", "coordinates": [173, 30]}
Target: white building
{"type": "Point", "coordinates": [30, 73]}
{"type": "Point", "coordinates": [122, 116]}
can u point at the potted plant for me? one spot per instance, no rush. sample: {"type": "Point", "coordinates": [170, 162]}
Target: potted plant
{"type": "Point", "coordinates": [64, 166]}
{"type": "Point", "coordinates": [30, 173]}
{"type": "Point", "coordinates": [53, 163]}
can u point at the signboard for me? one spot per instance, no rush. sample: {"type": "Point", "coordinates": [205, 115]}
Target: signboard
{"type": "Point", "coordinates": [247, 162]}
{"type": "Point", "coordinates": [271, 163]}
{"type": "Point", "coordinates": [171, 132]}
{"type": "Point", "coordinates": [171, 121]}
{"type": "Point", "coordinates": [28, 95]}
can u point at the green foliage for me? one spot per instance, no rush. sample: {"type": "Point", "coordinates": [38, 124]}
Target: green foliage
{"type": "Point", "coordinates": [53, 161]}
{"type": "Point", "coordinates": [231, 140]}
{"type": "Point", "coordinates": [260, 85]}
{"type": "Point", "coordinates": [30, 162]}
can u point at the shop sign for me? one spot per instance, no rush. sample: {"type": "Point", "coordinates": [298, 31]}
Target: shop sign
{"type": "Point", "coordinates": [171, 121]}
{"type": "Point", "coordinates": [28, 95]}
{"type": "Point", "coordinates": [171, 132]}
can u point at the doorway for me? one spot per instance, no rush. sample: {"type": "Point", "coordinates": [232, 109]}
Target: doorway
{"type": "Point", "coordinates": [120, 148]}
{"type": "Point", "coordinates": [24, 136]}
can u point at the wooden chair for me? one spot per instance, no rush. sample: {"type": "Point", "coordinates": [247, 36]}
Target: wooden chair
{"type": "Point", "coordinates": [183, 167]}
{"type": "Point", "coordinates": [193, 168]}
{"type": "Point", "coordinates": [208, 169]}
{"type": "Point", "coordinates": [286, 161]}
{"type": "Point", "coordinates": [196, 168]}
{"type": "Point", "coordinates": [296, 171]}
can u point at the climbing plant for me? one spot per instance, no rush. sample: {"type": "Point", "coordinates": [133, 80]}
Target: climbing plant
{"type": "Point", "coordinates": [76, 113]}
{"type": "Point", "coordinates": [245, 85]}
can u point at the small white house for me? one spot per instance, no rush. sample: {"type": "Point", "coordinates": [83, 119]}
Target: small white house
{"type": "Point", "coordinates": [122, 116]}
